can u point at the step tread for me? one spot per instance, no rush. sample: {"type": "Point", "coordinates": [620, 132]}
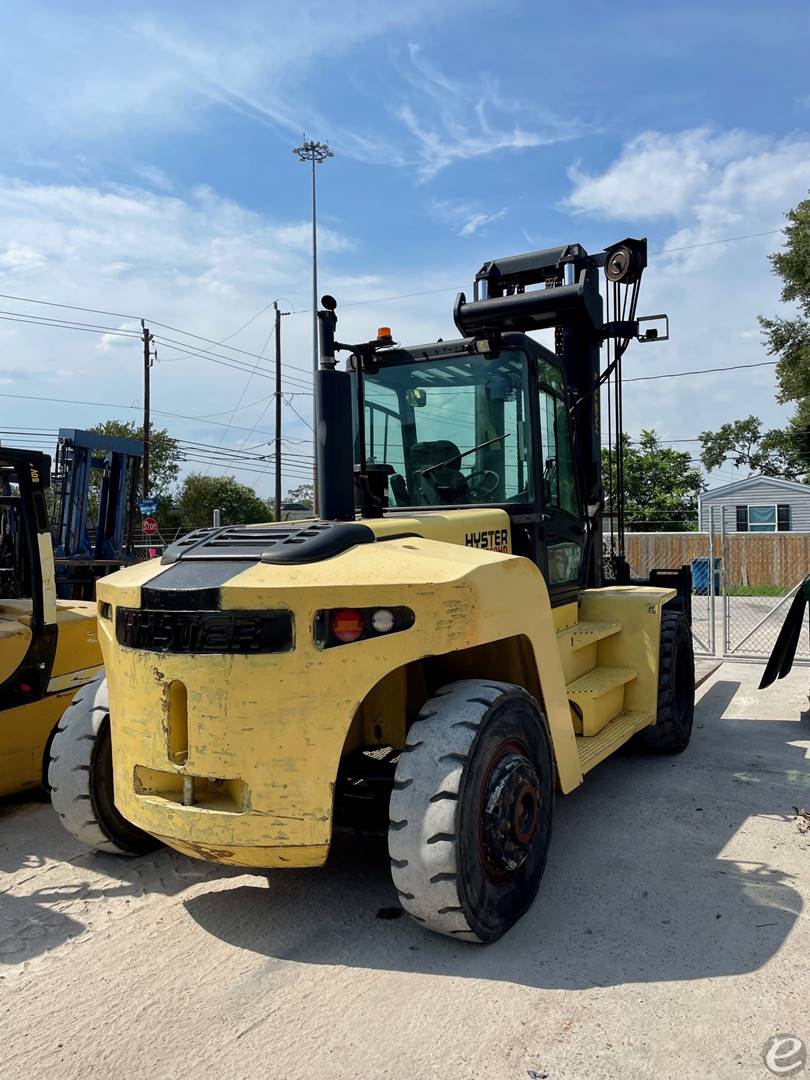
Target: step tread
{"type": "Point", "coordinates": [600, 681]}
{"type": "Point", "coordinates": [587, 632]}
{"type": "Point", "coordinates": [595, 748]}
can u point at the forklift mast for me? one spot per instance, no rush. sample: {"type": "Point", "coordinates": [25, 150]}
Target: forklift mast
{"type": "Point", "coordinates": [568, 301]}
{"type": "Point", "coordinates": [79, 544]}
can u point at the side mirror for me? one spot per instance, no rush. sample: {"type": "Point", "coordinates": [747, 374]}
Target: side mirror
{"type": "Point", "coordinates": [416, 398]}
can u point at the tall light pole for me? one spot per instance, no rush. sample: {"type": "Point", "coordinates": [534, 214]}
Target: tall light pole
{"type": "Point", "coordinates": [316, 153]}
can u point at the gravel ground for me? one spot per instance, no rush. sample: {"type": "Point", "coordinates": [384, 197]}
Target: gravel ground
{"type": "Point", "coordinates": [670, 938]}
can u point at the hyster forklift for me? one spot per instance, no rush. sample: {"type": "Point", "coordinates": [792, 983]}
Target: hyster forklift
{"type": "Point", "coordinates": [448, 639]}
{"type": "Point", "coordinates": [48, 647]}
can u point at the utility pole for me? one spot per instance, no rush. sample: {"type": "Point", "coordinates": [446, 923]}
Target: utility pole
{"type": "Point", "coordinates": [279, 313]}
{"type": "Point", "coordinates": [316, 153]}
{"type": "Point", "coordinates": [147, 364]}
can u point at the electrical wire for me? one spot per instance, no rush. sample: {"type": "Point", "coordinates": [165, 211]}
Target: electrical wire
{"type": "Point", "coordinates": [247, 382]}
{"type": "Point", "coordinates": [349, 303]}
{"type": "Point", "coordinates": [300, 417]}
{"type": "Point", "coordinates": [702, 371]}
{"type": "Point", "coordinates": [129, 408]}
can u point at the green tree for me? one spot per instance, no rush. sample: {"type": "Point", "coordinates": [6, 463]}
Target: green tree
{"type": "Point", "coordinates": [164, 453]}
{"type": "Point", "coordinates": [199, 495]}
{"type": "Point", "coordinates": [301, 495]}
{"type": "Point", "coordinates": [743, 442]}
{"type": "Point", "coordinates": [661, 485]}
{"type": "Point", "coordinates": [781, 452]}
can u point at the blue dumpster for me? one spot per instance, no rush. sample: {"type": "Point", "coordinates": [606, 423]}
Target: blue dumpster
{"type": "Point", "coordinates": [700, 576]}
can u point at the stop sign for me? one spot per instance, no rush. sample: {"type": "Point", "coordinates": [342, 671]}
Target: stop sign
{"type": "Point", "coordinates": [150, 526]}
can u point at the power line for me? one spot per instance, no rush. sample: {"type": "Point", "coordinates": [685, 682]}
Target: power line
{"type": "Point", "coordinates": [711, 243]}
{"type": "Point", "coordinates": [251, 373]}
{"type": "Point", "coordinates": [226, 361]}
{"type": "Point", "coordinates": [30, 321]}
{"type": "Point", "coordinates": [349, 303]}
{"type": "Point", "coordinates": [455, 288]}
{"type": "Point", "coordinates": [136, 318]}
{"type": "Point", "coordinates": [69, 324]}
{"type": "Point", "coordinates": [297, 471]}
{"type": "Point", "coordinates": [700, 371]}
{"type": "Point", "coordinates": [168, 343]}
{"type": "Point", "coordinates": [300, 417]}
{"type": "Point", "coordinates": [129, 408]}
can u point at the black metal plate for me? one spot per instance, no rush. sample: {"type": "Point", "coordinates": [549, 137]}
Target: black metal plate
{"type": "Point", "coordinates": [219, 632]}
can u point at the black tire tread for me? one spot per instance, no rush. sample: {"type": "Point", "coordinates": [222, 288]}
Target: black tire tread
{"type": "Point", "coordinates": [670, 734]}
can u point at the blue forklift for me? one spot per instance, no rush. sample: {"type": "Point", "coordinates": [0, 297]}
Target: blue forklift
{"type": "Point", "coordinates": [95, 488]}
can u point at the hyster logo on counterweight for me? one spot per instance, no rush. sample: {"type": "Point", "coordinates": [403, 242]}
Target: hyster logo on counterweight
{"type": "Point", "coordinates": [490, 539]}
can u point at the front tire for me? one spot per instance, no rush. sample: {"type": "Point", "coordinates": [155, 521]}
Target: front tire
{"type": "Point", "coordinates": [80, 777]}
{"type": "Point", "coordinates": [471, 810]}
{"type": "Point", "coordinates": [672, 730]}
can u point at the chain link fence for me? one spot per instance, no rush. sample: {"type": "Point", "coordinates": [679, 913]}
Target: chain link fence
{"type": "Point", "coordinates": [670, 550]}
{"type": "Point", "coordinates": [742, 583]}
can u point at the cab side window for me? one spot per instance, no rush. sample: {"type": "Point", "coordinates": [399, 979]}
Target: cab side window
{"type": "Point", "coordinates": [564, 535]}
{"type": "Point", "coordinates": [15, 576]}
{"type": "Point", "coordinates": [559, 481]}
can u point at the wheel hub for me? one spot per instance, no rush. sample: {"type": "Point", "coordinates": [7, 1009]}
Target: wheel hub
{"type": "Point", "coordinates": [510, 810]}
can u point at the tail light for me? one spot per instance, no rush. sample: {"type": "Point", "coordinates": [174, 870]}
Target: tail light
{"type": "Point", "coordinates": [342, 626]}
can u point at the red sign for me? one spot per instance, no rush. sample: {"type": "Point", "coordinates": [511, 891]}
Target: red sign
{"type": "Point", "coordinates": [150, 526]}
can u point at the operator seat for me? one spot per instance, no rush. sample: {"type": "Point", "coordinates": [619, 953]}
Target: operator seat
{"type": "Point", "coordinates": [445, 485]}
{"type": "Point", "coordinates": [399, 489]}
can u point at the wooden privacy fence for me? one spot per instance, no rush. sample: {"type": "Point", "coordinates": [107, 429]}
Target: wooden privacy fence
{"type": "Point", "coordinates": [751, 559]}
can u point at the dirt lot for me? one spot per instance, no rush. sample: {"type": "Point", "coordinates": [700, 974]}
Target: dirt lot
{"type": "Point", "coordinates": [670, 939]}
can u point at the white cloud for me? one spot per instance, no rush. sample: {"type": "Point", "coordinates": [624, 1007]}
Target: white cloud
{"type": "Point", "coordinates": [298, 237]}
{"type": "Point", "coordinates": [451, 121]}
{"type": "Point", "coordinates": [270, 71]}
{"type": "Point", "coordinates": [17, 257]}
{"type": "Point", "coordinates": [658, 174]}
{"type": "Point", "coordinates": [478, 221]}
{"type": "Point", "coordinates": [154, 176]}
{"type": "Point", "coordinates": [467, 219]}
{"type": "Point", "coordinates": [704, 188]}
{"type": "Point", "coordinates": [243, 58]}
{"type": "Point", "coordinates": [203, 264]}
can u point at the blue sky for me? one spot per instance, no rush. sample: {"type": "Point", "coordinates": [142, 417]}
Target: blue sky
{"type": "Point", "coordinates": [147, 171]}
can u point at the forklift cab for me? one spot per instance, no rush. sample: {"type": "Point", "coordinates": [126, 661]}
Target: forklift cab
{"type": "Point", "coordinates": [27, 605]}
{"type": "Point", "coordinates": [48, 647]}
{"type": "Point", "coordinates": [454, 429]}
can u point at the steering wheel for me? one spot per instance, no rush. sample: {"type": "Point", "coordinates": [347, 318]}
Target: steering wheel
{"type": "Point", "coordinates": [484, 483]}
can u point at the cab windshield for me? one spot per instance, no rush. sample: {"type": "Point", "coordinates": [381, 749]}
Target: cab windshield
{"type": "Point", "coordinates": [452, 432]}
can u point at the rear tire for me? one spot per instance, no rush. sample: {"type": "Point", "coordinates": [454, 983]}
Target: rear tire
{"type": "Point", "coordinates": [672, 730]}
{"type": "Point", "coordinates": [80, 777]}
{"type": "Point", "coordinates": [471, 810]}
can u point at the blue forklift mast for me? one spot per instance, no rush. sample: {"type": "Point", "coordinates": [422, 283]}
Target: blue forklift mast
{"type": "Point", "coordinates": [85, 550]}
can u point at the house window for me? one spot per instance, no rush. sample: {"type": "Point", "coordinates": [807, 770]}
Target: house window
{"type": "Point", "coordinates": [764, 517]}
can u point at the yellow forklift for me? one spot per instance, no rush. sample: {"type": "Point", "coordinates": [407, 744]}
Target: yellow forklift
{"type": "Point", "coordinates": [48, 647]}
{"type": "Point", "coordinates": [448, 645]}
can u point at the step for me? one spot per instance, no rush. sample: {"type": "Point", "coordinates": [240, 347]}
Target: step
{"type": "Point", "coordinates": [595, 748]}
{"type": "Point", "coordinates": [587, 633]}
{"type": "Point", "coordinates": [598, 697]}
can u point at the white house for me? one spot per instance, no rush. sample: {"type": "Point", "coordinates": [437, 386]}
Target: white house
{"type": "Point", "coordinates": [757, 504]}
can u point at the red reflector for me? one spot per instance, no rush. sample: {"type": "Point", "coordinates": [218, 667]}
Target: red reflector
{"type": "Point", "coordinates": [347, 624]}
{"type": "Point", "coordinates": [24, 688]}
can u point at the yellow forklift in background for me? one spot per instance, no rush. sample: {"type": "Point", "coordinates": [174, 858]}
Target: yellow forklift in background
{"type": "Point", "coordinates": [48, 647]}
{"type": "Point", "coordinates": [446, 647]}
